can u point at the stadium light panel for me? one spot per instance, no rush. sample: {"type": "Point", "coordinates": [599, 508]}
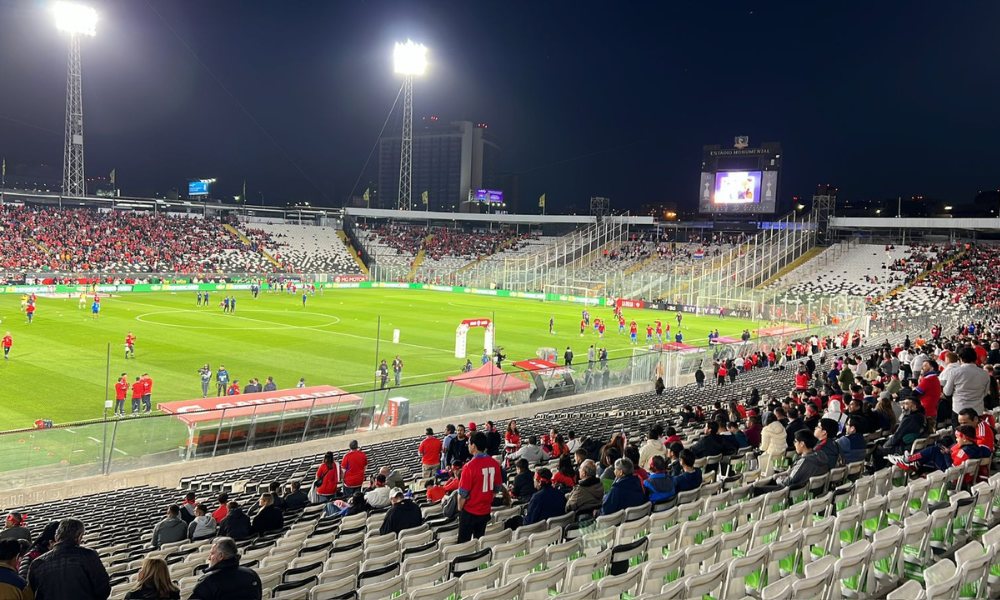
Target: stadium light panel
{"type": "Point", "coordinates": [410, 58]}
{"type": "Point", "coordinates": [75, 18]}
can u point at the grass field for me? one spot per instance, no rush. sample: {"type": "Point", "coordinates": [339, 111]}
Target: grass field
{"type": "Point", "coordinates": [59, 364]}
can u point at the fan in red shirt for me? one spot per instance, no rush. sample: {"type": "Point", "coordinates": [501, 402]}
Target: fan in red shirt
{"type": "Point", "coordinates": [481, 480]}
{"type": "Point", "coordinates": [121, 390]}
{"type": "Point", "coordinates": [147, 393]}
{"type": "Point", "coordinates": [928, 390]}
{"type": "Point", "coordinates": [136, 395]}
{"type": "Point", "coordinates": [327, 477]}
{"type": "Point", "coordinates": [354, 464]}
{"type": "Point", "coordinates": [129, 346]}
{"type": "Point", "coordinates": [802, 379]}
{"type": "Point", "coordinates": [984, 433]}
{"type": "Point", "coordinates": [512, 437]}
{"type": "Point", "coordinates": [430, 455]}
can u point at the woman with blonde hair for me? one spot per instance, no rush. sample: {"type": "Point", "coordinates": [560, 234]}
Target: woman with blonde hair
{"type": "Point", "coordinates": [154, 582]}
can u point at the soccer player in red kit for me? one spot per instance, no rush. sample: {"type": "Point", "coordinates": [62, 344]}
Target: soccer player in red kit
{"type": "Point", "coordinates": [481, 480]}
{"type": "Point", "coordinates": [121, 390]}
{"type": "Point", "coordinates": [7, 343]}
{"type": "Point", "coordinates": [633, 331]}
{"type": "Point", "coordinates": [659, 331]}
{"type": "Point", "coordinates": [583, 327]}
{"type": "Point", "coordinates": [129, 345]}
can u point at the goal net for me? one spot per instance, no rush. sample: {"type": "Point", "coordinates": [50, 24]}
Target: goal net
{"type": "Point", "coordinates": [563, 292]}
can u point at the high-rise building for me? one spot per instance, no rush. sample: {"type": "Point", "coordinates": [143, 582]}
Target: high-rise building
{"type": "Point", "coordinates": [449, 160]}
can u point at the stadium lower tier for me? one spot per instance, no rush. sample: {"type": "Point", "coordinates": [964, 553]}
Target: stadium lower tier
{"type": "Point", "coordinates": [854, 530]}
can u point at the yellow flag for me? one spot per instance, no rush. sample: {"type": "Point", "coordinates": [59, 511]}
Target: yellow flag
{"type": "Point", "coordinates": [112, 178]}
{"type": "Point", "coordinates": [365, 197]}
{"type": "Point", "coordinates": [423, 196]}
{"type": "Point", "coordinates": [4, 168]}
{"type": "Point", "coordinates": [244, 196]}
{"type": "Point", "coordinates": [541, 201]}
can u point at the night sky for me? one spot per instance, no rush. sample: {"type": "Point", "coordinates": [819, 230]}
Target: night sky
{"type": "Point", "coordinates": [586, 98]}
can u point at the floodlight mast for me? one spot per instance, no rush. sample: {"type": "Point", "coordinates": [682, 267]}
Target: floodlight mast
{"type": "Point", "coordinates": [78, 21]}
{"type": "Point", "coordinates": [410, 59]}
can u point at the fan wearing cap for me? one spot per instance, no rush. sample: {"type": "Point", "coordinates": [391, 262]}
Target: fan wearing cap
{"type": "Point", "coordinates": [547, 502]}
{"type": "Point", "coordinates": [14, 528]}
{"type": "Point", "coordinates": [403, 514]}
{"type": "Point", "coordinates": [939, 457]}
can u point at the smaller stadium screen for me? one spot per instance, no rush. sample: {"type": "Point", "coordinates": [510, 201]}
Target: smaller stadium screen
{"type": "Point", "coordinates": [198, 188]}
{"type": "Point", "coordinates": [491, 196]}
{"type": "Point", "coordinates": [737, 187]}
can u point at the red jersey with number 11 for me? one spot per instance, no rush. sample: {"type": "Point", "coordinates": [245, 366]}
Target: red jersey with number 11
{"type": "Point", "coordinates": [479, 484]}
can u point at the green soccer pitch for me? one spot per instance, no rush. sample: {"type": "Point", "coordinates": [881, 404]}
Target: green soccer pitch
{"type": "Point", "coordinates": [59, 364]}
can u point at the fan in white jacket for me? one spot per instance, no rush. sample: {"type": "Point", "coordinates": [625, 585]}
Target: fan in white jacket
{"type": "Point", "coordinates": [378, 497]}
{"type": "Point", "coordinates": [773, 443]}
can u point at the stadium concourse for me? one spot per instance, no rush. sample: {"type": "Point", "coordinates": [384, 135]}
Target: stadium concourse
{"type": "Point", "coordinates": [833, 474]}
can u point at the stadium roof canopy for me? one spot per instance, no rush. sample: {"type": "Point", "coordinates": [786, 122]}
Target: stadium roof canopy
{"type": "Point", "coordinates": [425, 215]}
{"type": "Point", "coordinates": [920, 223]}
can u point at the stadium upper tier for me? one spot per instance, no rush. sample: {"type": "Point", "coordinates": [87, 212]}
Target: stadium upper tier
{"type": "Point", "coordinates": [305, 248]}
{"type": "Point", "coordinates": [864, 270]}
{"type": "Point", "coordinates": [445, 250]}
{"type": "Point", "coordinates": [52, 240]}
{"type": "Point", "coordinates": [955, 277]}
{"type": "Point", "coordinates": [968, 278]}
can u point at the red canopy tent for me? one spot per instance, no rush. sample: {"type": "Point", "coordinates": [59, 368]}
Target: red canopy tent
{"type": "Point", "coordinates": [489, 379]}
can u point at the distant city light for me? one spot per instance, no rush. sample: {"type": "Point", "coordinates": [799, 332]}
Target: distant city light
{"type": "Point", "coordinates": [75, 18]}
{"type": "Point", "coordinates": [410, 58]}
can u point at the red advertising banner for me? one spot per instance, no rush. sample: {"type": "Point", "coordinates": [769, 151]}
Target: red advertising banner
{"type": "Point", "coordinates": [350, 279]}
{"type": "Point", "coordinates": [620, 303]}
{"type": "Point", "coordinates": [476, 322]}
{"type": "Point", "coordinates": [243, 405]}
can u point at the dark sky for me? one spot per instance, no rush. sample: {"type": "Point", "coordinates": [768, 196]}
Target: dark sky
{"type": "Point", "coordinates": [586, 98]}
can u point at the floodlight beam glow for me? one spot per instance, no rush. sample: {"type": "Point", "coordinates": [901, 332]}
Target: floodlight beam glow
{"type": "Point", "coordinates": [75, 18]}
{"type": "Point", "coordinates": [410, 58]}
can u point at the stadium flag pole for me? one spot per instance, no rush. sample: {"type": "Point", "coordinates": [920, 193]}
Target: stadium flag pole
{"type": "Point", "coordinates": [107, 381]}
{"type": "Point", "coordinates": [378, 334]}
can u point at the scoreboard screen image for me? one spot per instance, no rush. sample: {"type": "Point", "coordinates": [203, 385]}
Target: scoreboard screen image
{"type": "Point", "coordinates": [737, 187]}
{"type": "Point", "coordinates": [747, 192]}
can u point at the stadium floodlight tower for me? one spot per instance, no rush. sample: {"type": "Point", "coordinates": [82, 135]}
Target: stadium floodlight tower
{"type": "Point", "coordinates": [78, 21]}
{"type": "Point", "coordinates": [410, 59]}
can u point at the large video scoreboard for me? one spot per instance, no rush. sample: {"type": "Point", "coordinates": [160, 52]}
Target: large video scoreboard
{"type": "Point", "coordinates": [741, 179]}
